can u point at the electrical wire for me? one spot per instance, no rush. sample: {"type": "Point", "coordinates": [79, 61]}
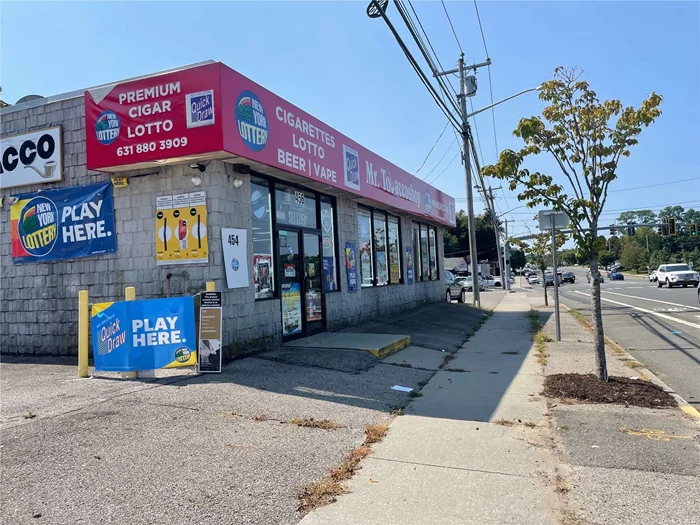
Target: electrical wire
{"type": "Point", "coordinates": [431, 149]}
{"type": "Point", "coordinates": [453, 27]}
{"type": "Point", "coordinates": [654, 185]}
{"type": "Point", "coordinates": [441, 159]}
{"type": "Point", "coordinates": [445, 169]}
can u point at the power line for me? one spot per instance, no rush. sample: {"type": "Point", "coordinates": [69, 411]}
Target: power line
{"type": "Point", "coordinates": [453, 27]}
{"type": "Point", "coordinates": [431, 149]}
{"type": "Point", "coordinates": [441, 159]}
{"type": "Point", "coordinates": [445, 169]}
{"type": "Point", "coordinates": [654, 185]}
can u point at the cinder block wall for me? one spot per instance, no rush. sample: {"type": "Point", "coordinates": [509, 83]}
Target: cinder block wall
{"type": "Point", "coordinates": [38, 301]}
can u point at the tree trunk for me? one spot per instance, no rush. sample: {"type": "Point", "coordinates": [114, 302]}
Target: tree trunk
{"type": "Point", "coordinates": [597, 316]}
{"type": "Point", "coordinates": [544, 287]}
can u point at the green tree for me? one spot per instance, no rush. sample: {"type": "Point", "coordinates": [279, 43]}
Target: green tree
{"type": "Point", "coordinates": [637, 217]}
{"type": "Point", "coordinates": [632, 256]}
{"type": "Point", "coordinates": [587, 138]}
{"type": "Point", "coordinates": [614, 246]}
{"type": "Point", "coordinates": [568, 257]}
{"type": "Point", "coordinates": [517, 258]}
{"type": "Point", "coordinates": [606, 258]}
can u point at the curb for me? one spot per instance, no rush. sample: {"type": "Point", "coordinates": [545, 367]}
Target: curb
{"type": "Point", "coordinates": [682, 403]}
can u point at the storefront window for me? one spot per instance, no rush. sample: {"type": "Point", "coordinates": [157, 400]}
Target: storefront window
{"type": "Point", "coordinates": [425, 267]}
{"type": "Point", "coordinates": [379, 220]}
{"type": "Point", "coordinates": [364, 248]}
{"type": "Point", "coordinates": [330, 267]}
{"type": "Point", "coordinates": [433, 253]}
{"type": "Point", "coordinates": [263, 266]}
{"type": "Point", "coordinates": [418, 269]}
{"type": "Point", "coordinates": [394, 250]}
{"type": "Point", "coordinates": [295, 207]}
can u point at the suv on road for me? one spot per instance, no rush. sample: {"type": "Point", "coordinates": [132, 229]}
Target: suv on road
{"type": "Point", "coordinates": [676, 274]}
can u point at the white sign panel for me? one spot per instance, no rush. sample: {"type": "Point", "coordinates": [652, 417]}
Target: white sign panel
{"type": "Point", "coordinates": [31, 158]}
{"type": "Point", "coordinates": [235, 243]}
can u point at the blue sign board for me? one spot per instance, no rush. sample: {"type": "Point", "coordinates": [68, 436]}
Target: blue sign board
{"type": "Point", "coordinates": [144, 335]}
{"type": "Point", "coordinates": [351, 266]}
{"type": "Point", "coordinates": [66, 223]}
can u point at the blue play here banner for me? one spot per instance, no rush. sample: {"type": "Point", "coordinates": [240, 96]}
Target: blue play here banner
{"type": "Point", "coordinates": [144, 335]}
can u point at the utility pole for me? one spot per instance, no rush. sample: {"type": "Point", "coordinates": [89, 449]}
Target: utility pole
{"type": "Point", "coordinates": [501, 257]}
{"type": "Point", "coordinates": [506, 252]}
{"type": "Point", "coordinates": [474, 263]}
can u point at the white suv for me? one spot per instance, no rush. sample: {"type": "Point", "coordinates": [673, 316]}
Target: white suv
{"type": "Point", "coordinates": [676, 274]}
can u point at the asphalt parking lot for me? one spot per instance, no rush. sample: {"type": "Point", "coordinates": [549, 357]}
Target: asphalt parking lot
{"type": "Point", "coordinates": [195, 449]}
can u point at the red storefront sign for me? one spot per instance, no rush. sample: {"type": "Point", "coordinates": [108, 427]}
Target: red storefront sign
{"type": "Point", "coordinates": [212, 108]}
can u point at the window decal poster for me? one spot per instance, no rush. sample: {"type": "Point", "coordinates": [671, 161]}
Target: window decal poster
{"type": "Point", "coordinates": [65, 223]}
{"type": "Point", "coordinates": [144, 335]}
{"type": "Point", "coordinates": [181, 229]}
{"type": "Point", "coordinates": [409, 265]}
{"type": "Point", "coordinates": [291, 308]}
{"type": "Point", "coordinates": [351, 266]}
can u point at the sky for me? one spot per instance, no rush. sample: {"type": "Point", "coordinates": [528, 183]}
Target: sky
{"type": "Point", "coordinates": [346, 69]}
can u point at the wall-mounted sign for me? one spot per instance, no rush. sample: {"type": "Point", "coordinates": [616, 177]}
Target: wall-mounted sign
{"type": "Point", "coordinates": [181, 229]}
{"type": "Point", "coordinates": [210, 330]}
{"type": "Point", "coordinates": [351, 266]}
{"type": "Point", "coordinates": [144, 335]}
{"type": "Point", "coordinates": [235, 243]}
{"type": "Point", "coordinates": [31, 158]}
{"type": "Point", "coordinates": [60, 224]}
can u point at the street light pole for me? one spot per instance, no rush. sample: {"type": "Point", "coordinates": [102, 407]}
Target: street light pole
{"type": "Point", "coordinates": [476, 297]}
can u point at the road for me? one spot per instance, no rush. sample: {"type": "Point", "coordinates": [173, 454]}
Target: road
{"type": "Point", "coordinates": [658, 326]}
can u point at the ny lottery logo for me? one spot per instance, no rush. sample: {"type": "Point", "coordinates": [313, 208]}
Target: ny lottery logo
{"type": "Point", "coordinates": [162, 332]}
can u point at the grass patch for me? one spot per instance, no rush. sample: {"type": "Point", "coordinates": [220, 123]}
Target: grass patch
{"type": "Point", "coordinates": [325, 424]}
{"type": "Point", "coordinates": [397, 412]}
{"type": "Point", "coordinates": [504, 422]}
{"type": "Point", "coordinates": [541, 339]}
{"type": "Point", "coordinates": [415, 393]}
{"type": "Point", "coordinates": [327, 490]}
{"type": "Point", "coordinates": [375, 433]}
{"type": "Point", "coordinates": [581, 318]}
{"type": "Point", "coordinates": [319, 494]}
{"type": "Point", "coordinates": [447, 359]}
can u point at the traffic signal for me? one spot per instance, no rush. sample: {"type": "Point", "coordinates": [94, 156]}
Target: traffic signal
{"type": "Point", "coordinates": [671, 221]}
{"type": "Point", "coordinates": [613, 231]}
{"type": "Point", "coordinates": [630, 230]}
{"type": "Point", "coordinates": [693, 229]}
{"type": "Point", "coordinates": [661, 230]}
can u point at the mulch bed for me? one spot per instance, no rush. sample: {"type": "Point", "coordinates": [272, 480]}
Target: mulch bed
{"type": "Point", "coordinates": [587, 388]}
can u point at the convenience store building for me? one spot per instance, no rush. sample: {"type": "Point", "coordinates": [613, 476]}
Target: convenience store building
{"type": "Point", "coordinates": [210, 177]}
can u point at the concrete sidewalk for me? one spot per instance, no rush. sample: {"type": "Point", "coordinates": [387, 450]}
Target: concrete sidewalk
{"type": "Point", "coordinates": [472, 449]}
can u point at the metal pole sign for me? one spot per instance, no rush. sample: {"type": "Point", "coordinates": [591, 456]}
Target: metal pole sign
{"type": "Point", "coordinates": [555, 221]}
{"type": "Point", "coordinates": [210, 328]}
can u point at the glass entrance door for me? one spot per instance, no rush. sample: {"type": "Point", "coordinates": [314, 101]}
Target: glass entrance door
{"type": "Point", "coordinates": [313, 283]}
{"type": "Point", "coordinates": [291, 283]}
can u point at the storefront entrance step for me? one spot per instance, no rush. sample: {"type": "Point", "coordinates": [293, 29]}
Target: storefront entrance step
{"type": "Point", "coordinates": [379, 345]}
{"type": "Point", "coordinates": [417, 357]}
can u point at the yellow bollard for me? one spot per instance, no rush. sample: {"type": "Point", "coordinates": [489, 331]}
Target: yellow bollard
{"type": "Point", "coordinates": [130, 295]}
{"type": "Point", "coordinates": [83, 320]}
{"type": "Point", "coordinates": [211, 286]}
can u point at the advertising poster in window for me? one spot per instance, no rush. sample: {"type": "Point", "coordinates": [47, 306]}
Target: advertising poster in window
{"type": "Point", "coordinates": [144, 335]}
{"type": "Point", "coordinates": [382, 269]}
{"type": "Point", "coordinates": [262, 275]}
{"type": "Point", "coordinates": [351, 266]}
{"type": "Point", "coordinates": [61, 224]}
{"type": "Point", "coordinates": [291, 308]}
{"type": "Point", "coordinates": [409, 265]}
{"type": "Point", "coordinates": [181, 229]}
{"type": "Point", "coordinates": [235, 243]}
{"type": "Point", "coordinates": [329, 282]}
{"type": "Point", "coordinates": [210, 329]}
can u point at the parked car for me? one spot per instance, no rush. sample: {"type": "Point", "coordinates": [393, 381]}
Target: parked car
{"type": "Point", "coordinates": [588, 277]}
{"type": "Point", "coordinates": [534, 279]}
{"type": "Point", "coordinates": [652, 277]}
{"type": "Point", "coordinates": [467, 283]}
{"type": "Point", "coordinates": [676, 275]}
{"type": "Point", "coordinates": [616, 276]}
{"type": "Point", "coordinates": [490, 280]}
{"type": "Point", "coordinates": [455, 288]}
{"type": "Point", "coordinates": [568, 277]}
